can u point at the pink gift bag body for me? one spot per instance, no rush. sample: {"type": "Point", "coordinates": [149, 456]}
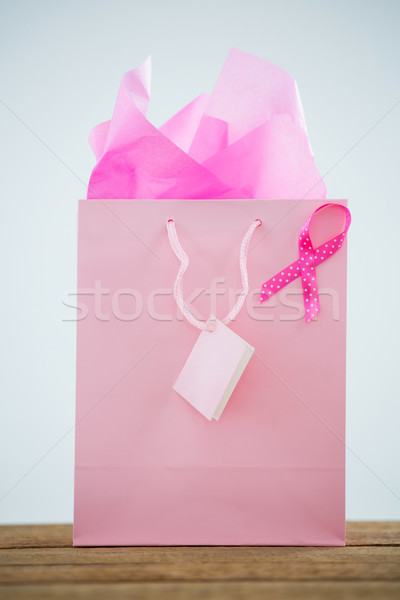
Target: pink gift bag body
{"type": "Point", "coordinates": [149, 468]}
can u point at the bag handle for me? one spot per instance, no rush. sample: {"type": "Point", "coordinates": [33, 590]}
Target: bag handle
{"type": "Point", "coordinates": [184, 260]}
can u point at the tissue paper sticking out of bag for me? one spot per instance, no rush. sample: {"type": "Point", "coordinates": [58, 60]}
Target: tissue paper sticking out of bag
{"type": "Point", "coordinates": [248, 139]}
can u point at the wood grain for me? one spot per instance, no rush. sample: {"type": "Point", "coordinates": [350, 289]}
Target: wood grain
{"type": "Point", "coordinates": [35, 536]}
{"type": "Point", "coordinates": [206, 591]}
{"type": "Point", "coordinates": [40, 562]}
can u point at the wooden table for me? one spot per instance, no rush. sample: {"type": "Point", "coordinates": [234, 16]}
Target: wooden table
{"type": "Point", "coordinates": [37, 561]}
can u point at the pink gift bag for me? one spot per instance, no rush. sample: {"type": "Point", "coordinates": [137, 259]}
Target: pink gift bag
{"type": "Point", "coordinates": [150, 469]}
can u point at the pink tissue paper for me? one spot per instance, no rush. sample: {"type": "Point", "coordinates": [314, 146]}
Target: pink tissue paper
{"type": "Point", "coordinates": [248, 139]}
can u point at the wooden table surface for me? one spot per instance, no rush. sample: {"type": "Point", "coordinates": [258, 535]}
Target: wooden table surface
{"type": "Point", "coordinates": [38, 561]}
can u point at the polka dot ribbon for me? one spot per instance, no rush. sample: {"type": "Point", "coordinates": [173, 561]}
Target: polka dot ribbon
{"type": "Point", "coordinates": [305, 267]}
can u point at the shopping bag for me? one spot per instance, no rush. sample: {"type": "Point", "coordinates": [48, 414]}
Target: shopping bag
{"type": "Point", "coordinates": [150, 469]}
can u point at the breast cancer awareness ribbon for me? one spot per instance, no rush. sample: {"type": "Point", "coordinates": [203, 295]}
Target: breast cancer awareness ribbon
{"type": "Point", "coordinates": [305, 266]}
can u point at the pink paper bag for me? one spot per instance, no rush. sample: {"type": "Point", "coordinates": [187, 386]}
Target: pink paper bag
{"type": "Point", "coordinates": [149, 468]}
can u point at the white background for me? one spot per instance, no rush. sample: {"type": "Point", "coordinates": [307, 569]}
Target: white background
{"type": "Point", "coordinates": [61, 65]}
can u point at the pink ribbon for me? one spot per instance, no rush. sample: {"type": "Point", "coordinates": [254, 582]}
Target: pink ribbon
{"type": "Point", "coordinates": [305, 267]}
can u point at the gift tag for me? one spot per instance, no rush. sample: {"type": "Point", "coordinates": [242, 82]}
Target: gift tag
{"type": "Point", "coordinates": [213, 370]}
{"type": "Point", "coordinates": [219, 356]}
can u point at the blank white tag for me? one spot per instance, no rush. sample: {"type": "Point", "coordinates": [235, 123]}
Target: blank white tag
{"type": "Point", "coordinates": [213, 370]}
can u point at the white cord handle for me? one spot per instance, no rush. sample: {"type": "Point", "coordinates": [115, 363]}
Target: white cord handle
{"type": "Point", "coordinates": [184, 260]}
